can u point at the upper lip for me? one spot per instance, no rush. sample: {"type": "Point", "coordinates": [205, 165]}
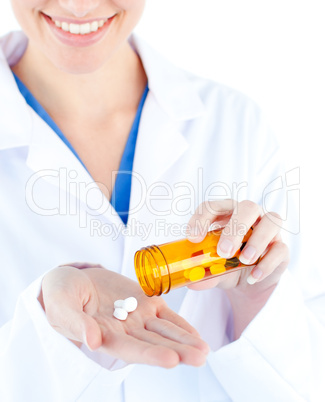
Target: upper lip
{"type": "Point", "coordinates": [80, 22]}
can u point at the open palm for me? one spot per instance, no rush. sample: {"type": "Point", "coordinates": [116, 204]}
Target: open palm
{"type": "Point", "coordinates": [79, 303]}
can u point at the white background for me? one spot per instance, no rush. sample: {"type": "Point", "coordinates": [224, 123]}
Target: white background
{"type": "Point", "coordinates": [273, 51]}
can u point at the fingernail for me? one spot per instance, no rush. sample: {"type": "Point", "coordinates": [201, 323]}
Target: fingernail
{"type": "Point", "coordinates": [226, 247]}
{"type": "Point", "coordinates": [247, 255]}
{"type": "Point", "coordinates": [86, 342]}
{"type": "Point", "coordinates": [195, 234]}
{"type": "Point", "coordinates": [255, 275]}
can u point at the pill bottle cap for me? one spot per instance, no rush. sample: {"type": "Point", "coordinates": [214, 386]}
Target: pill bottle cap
{"type": "Point", "coordinates": [152, 271]}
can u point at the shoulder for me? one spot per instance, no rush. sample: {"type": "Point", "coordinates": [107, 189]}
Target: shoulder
{"type": "Point", "coordinates": [232, 122]}
{"type": "Point", "coordinates": [222, 100]}
{"type": "Point", "coordinates": [229, 115]}
{"type": "Point", "coordinates": [182, 93]}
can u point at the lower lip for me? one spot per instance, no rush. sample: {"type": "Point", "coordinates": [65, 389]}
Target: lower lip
{"type": "Point", "coordinates": [78, 40]}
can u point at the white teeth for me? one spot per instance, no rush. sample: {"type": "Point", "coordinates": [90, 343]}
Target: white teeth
{"type": "Point", "coordinates": [65, 26]}
{"type": "Point", "coordinates": [94, 26]}
{"type": "Point", "coordinates": [85, 29]}
{"type": "Point", "coordinates": [74, 28]}
{"type": "Point", "coordinates": [82, 29]}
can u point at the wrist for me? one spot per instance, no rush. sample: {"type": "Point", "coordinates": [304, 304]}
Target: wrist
{"type": "Point", "coordinates": [246, 305]}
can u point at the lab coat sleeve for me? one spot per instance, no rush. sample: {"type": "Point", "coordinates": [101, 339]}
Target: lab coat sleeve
{"type": "Point", "coordinates": [280, 356]}
{"type": "Point", "coordinates": [38, 363]}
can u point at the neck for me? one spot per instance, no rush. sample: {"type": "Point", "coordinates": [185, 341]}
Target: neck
{"type": "Point", "coordinates": [92, 97]}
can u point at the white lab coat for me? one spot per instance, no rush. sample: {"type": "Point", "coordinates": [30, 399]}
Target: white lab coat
{"type": "Point", "coordinates": [192, 131]}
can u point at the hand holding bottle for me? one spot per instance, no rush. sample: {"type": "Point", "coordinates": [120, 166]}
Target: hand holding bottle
{"type": "Point", "coordinates": [265, 241]}
{"type": "Point", "coordinates": [250, 288]}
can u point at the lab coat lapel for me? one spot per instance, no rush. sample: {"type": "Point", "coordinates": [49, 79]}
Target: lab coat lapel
{"type": "Point", "coordinates": [16, 122]}
{"type": "Point", "coordinates": [160, 143]}
{"type": "Point", "coordinates": [54, 162]}
{"type": "Point", "coordinates": [172, 99]}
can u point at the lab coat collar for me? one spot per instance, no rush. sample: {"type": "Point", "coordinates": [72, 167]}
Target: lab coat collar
{"type": "Point", "coordinates": [16, 118]}
{"type": "Point", "coordinates": [170, 86]}
{"type": "Point", "coordinates": [173, 90]}
{"type": "Point", "coordinates": [172, 99]}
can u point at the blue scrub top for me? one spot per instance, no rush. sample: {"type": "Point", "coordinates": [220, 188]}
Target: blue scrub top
{"type": "Point", "coordinates": [120, 198]}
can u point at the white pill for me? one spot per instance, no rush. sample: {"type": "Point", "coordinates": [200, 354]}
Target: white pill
{"type": "Point", "coordinates": [118, 304]}
{"type": "Point", "coordinates": [130, 304]}
{"type": "Point", "coordinates": [120, 314]}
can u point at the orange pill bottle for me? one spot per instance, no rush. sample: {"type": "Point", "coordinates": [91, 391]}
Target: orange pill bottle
{"type": "Point", "coordinates": [160, 269]}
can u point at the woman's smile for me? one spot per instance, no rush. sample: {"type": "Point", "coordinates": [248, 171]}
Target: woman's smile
{"type": "Point", "coordinates": [78, 33]}
{"type": "Point", "coordinates": [78, 37]}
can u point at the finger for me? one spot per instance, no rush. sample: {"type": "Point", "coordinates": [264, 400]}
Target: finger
{"type": "Point", "coordinates": [75, 325]}
{"type": "Point", "coordinates": [131, 350]}
{"type": "Point", "coordinates": [173, 332]}
{"type": "Point", "coordinates": [170, 315]}
{"type": "Point", "coordinates": [207, 213]}
{"type": "Point", "coordinates": [187, 354]}
{"type": "Point", "coordinates": [245, 215]}
{"type": "Point", "coordinates": [263, 234]}
{"type": "Point", "coordinates": [277, 257]}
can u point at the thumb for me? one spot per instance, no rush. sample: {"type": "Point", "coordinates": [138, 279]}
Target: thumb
{"type": "Point", "coordinates": [75, 325]}
{"type": "Point", "coordinates": [63, 295]}
{"type": "Point", "coordinates": [92, 333]}
{"type": "Point", "coordinates": [217, 213]}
